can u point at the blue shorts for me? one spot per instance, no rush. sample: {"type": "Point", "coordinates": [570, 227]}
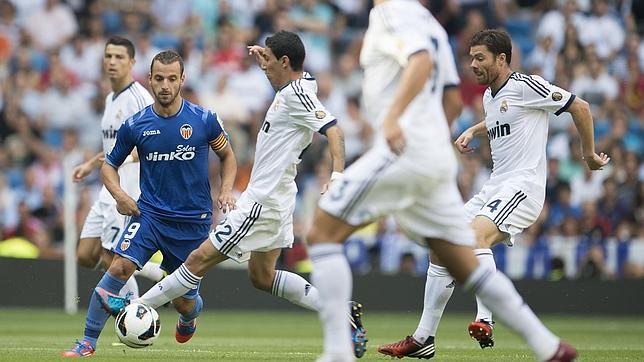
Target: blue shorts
{"type": "Point", "coordinates": [146, 234]}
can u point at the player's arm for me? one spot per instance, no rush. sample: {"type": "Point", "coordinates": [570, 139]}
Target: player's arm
{"type": "Point", "coordinates": [124, 145]}
{"type": "Point", "coordinates": [463, 141]}
{"type": "Point", "coordinates": [452, 103]}
{"type": "Point", "coordinates": [583, 119]}
{"type": "Point", "coordinates": [84, 169]}
{"type": "Point", "coordinates": [226, 201]}
{"type": "Point", "coordinates": [124, 203]}
{"type": "Point", "coordinates": [220, 145]}
{"type": "Point", "coordinates": [412, 81]}
{"type": "Point", "coordinates": [335, 138]}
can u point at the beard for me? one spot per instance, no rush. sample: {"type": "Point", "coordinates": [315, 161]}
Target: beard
{"type": "Point", "coordinates": [172, 98]}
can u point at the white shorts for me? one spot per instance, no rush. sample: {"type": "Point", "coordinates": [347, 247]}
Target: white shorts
{"type": "Point", "coordinates": [105, 222]}
{"type": "Point", "coordinates": [424, 206]}
{"type": "Point", "coordinates": [507, 205]}
{"type": "Point", "coordinates": [253, 227]}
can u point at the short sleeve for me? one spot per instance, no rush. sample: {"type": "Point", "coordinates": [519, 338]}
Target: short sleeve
{"type": "Point", "coordinates": [540, 94]}
{"type": "Point", "coordinates": [123, 146]}
{"type": "Point", "coordinates": [217, 136]}
{"type": "Point", "coordinates": [306, 109]}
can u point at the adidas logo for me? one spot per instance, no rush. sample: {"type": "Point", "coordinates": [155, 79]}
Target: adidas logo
{"type": "Point", "coordinates": [450, 285]}
{"type": "Point", "coordinates": [307, 289]}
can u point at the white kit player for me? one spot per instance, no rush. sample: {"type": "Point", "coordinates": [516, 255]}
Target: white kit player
{"type": "Point", "coordinates": [261, 224]}
{"type": "Point", "coordinates": [517, 108]}
{"type": "Point", "coordinates": [409, 173]}
{"type": "Point", "coordinates": [104, 225]}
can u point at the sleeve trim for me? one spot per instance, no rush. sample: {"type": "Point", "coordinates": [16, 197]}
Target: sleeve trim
{"type": "Point", "coordinates": [110, 162]}
{"type": "Point", "coordinates": [448, 86]}
{"type": "Point", "coordinates": [327, 126]}
{"type": "Point", "coordinates": [565, 106]}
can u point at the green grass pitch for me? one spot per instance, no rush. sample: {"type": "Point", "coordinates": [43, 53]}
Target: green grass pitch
{"type": "Point", "coordinates": [35, 334]}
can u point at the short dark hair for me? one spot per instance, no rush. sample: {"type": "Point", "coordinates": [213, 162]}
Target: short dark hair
{"type": "Point", "coordinates": [287, 43]}
{"type": "Point", "coordinates": [117, 40]}
{"type": "Point", "coordinates": [167, 57]}
{"type": "Point", "coordinates": [496, 41]}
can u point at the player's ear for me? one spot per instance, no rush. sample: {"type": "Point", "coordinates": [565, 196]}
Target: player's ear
{"type": "Point", "coordinates": [286, 62]}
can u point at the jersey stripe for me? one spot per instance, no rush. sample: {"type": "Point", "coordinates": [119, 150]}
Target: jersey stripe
{"type": "Point", "coordinates": [509, 207]}
{"type": "Point", "coordinates": [243, 229]}
{"type": "Point", "coordinates": [362, 190]}
{"type": "Point", "coordinates": [538, 88]}
{"type": "Point", "coordinates": [535, 81]}
{"type": "Point", "coordinates": [306, 97]}
{"type": "Point", "coordinates": [299, 92]}
{"type": "Point", "coordinates": [137, 96]}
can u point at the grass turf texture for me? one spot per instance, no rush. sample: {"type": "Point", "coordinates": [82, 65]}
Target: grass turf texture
{"type": "Point", "coordinates": [36, 334]}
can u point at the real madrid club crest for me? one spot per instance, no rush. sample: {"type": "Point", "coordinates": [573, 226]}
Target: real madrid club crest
{"type": "Point", "coordinates": [186, 131]}
{"type": "Point", "coordinates": [125, 244]}
{"type": "Point", "coordinates": [320, 114]}
{"type": "Point", "coordinates": [119, 115]}
{"type": "Point", "coordinates": [504, 106]}
{"type": "Point", "coordinates": [556, 96]}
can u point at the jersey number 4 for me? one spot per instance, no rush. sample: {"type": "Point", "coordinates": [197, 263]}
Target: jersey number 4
{"type": "Point", "coordinates": [493, 205]}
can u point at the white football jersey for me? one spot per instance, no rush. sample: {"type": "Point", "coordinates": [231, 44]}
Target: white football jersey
{"type": "Point", "coordinates": [291, 120]}
{"type": "Point", "coordinates": [118, 107]}
{"type": "Point", "coordinates": [516, 118]}
{"type": "Point", "coordinates": [398, 29]}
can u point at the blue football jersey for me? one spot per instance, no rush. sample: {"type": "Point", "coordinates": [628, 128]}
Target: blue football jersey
{"type": "Point", "coordinates": [173, 152]}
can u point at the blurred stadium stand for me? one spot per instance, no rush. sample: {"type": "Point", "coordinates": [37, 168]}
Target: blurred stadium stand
{"type": "Point", "coordinates": [52, 92]}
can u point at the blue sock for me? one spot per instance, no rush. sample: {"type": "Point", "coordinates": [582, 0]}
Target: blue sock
{"type": "Point", "coordinates": [96, 315]}
{"type": "Point", "coordinates": [187, 318]}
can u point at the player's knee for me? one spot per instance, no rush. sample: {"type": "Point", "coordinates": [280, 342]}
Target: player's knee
{"type": "Point", "coordinates": [122, 268]}
{"type": "Point", "coordinates": [260, 279]}
{"type": "Point", "coordinates": [86, 260]}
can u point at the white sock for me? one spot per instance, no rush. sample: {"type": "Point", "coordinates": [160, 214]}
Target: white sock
{"type": "Point", "coordinates": [439, 287]}
{"type": "Point", "coordinates": [486, 259]}
{"type": "Point", "coordinates": [151, 271]}
{"type": "Point", "coordinates": [332, 277]}
{"type": "Point", "coordinates": [131, 286]}
{"type": "Point", "coordinates": [497, 292]}
{"type": "Point", "coordinates": [173, 286]}
{"type": "Point", "coordinates": [295, 289]}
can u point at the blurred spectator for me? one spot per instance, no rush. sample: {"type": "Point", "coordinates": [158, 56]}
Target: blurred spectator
{"type": "Point", "coordinates": [313, 19]}
{"type": "Point", "coordinates": [51, 26]}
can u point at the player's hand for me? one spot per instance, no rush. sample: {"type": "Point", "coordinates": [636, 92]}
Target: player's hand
{"type": "Point", "coordinates": [463, 141]}
{"type": "Point", "coordinates": [394, 136]}
{"type": "Point", "coordinates": [226, 201]}
{"type": "Point", "coordinates": [81, 171]}
{"type": "Point", "coordinates": [127, 206]}
{"type": "Point", "coordinates": [595, 161]}
{"type": "Point", "coordinates": [258, 52]}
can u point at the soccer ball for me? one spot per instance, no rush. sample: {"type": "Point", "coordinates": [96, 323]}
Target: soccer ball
{"type": "Point", "coordinates": [137, 325]}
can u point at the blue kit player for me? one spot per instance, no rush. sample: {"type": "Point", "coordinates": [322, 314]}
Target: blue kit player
{"type": "Point", "coordinates": [174, 211]}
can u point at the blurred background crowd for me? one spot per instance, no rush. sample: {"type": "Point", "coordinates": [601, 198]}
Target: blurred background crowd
{"type": "Point", "coordinates": [52, 96]}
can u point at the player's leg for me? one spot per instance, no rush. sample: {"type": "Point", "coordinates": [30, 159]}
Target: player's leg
{"type": "Point", "coordinates": [112, 282]}
{"type": "Point", "coordinates": [334, 281]}
{"type": "Point", "coordinates": [131, 288]}
{"type": "Point", "coordinates": [487, 235]}
{"type": "Point", "coordinates": [497, 292]}
{"type": "Point", "coordinates": [185, 278]}
{"type": "Point", "coordinates": [507, 210]}
{"type": "Point", "coordinates": [282, 283]}
{"type": "Point", "coordinates": [88, 253]}
{"type": "Point", "coordinates": [189, 307]}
